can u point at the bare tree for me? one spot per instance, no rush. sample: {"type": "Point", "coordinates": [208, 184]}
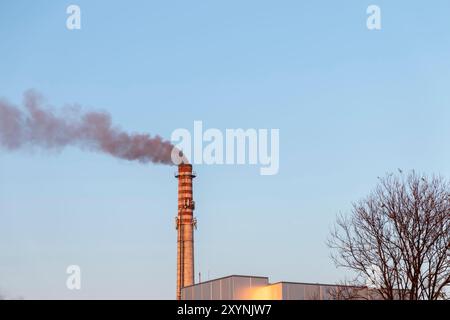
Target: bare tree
{"type": "Point", "coordinates": [398, 238]}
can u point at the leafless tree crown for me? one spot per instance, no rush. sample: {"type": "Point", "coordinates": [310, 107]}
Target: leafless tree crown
{"type": "Point", "coordinates": [398, 238]}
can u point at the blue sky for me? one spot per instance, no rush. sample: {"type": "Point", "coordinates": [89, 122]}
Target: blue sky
{"type": "Point", "coordinates": [351, 104]}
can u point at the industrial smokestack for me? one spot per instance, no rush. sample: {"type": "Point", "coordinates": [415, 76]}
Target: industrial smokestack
{"type": "Point", "coordinates": [185, 224]}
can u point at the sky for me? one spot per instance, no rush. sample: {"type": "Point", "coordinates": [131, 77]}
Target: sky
{"type": "Point", "coordinates": [351, 104]}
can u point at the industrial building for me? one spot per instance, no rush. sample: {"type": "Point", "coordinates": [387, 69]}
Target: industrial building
{"type": "Point", "coordinates": [237, 287]}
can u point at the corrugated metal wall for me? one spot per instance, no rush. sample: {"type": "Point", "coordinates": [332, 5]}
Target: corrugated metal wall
{"type": "Point", "coordinates": [301, 291]}
{"type": "Point", "coordinates": [256, 288]}
{"type": "Point", "coordinates": [229, 288]}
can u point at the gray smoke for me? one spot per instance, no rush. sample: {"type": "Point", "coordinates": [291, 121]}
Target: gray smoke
{"type": "Point", "coordinates": [38, 126]}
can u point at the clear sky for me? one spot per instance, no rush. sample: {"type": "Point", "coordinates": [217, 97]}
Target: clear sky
{"type": "Point", "coordinates": [351, 104]}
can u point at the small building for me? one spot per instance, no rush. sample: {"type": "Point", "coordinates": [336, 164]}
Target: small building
{"type": "Point", "coordinates": [239, 287]}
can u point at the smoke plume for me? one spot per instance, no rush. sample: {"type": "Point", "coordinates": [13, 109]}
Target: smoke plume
{"type": "Point", "coordinates": [38, 126]}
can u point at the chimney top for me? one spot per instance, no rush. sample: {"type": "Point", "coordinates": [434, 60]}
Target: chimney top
{"type": "Point", "coordinates": [185, 169]}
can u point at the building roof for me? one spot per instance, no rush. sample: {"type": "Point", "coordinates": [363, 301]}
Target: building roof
{"type": "Point", "coordinates": [230, 276]}
{"type": "Point", "coordinates": [272, 283]}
